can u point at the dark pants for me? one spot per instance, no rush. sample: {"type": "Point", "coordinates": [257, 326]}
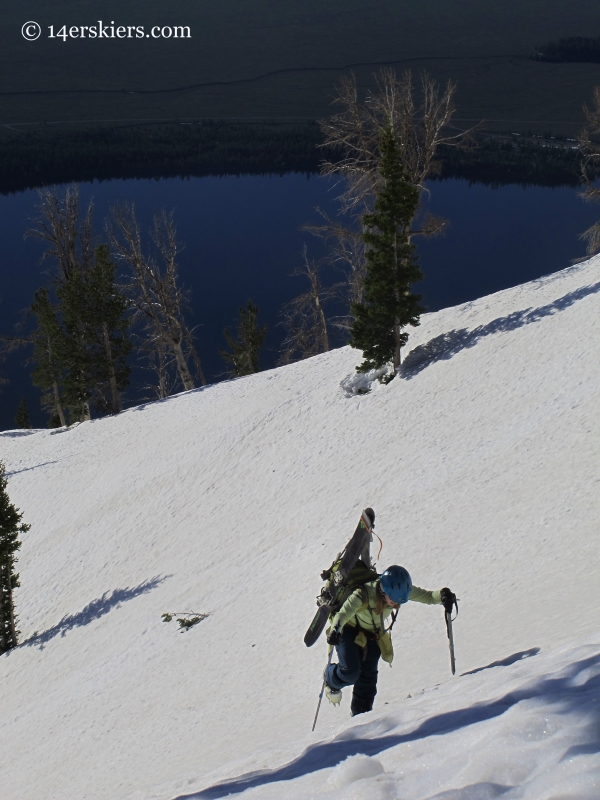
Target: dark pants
{"type": "Point", "coordinates": [355, 668]}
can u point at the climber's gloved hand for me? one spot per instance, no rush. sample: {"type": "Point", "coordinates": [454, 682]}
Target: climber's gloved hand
{"type": "Point", "coordinates": [335, 636]}
{"type": "Point", "coordinates": [448, 599]}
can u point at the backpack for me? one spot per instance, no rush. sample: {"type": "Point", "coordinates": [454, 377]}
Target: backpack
{"type": "Point", "coordinates": [360, 574]}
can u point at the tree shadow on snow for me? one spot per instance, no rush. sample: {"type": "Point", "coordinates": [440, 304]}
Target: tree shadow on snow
{"type": "Point", "coordinates": [505, 662]}
{"type": "Point", "coordinates": [94, 610]}
{"type": "Point", "coordinates": [475, 791]}
{"type": "Point", "coordinates": [574, 691]}
{"type": "Point", "coordinates": [28, 469]}
{"type": "Point", "coordinates": [447, 345]}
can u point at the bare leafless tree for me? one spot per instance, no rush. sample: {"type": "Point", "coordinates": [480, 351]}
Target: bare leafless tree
{"type": "Point", "coordinates": [160, 361]}
{"type": "Point", "coordinates": [419, 126]}
{"type": "Point", "coordinates": [419, 118]}
{"type": "Point", "coordinates": [154, 291]}
{"type": "Point", "coordinates": [346, 252]}
{"type": "Point", "coordinates": [590, 149]}
{"type": "Point", "coordinates": [304, 319]}
{"type": "Point", "coordinates": [65, 229]}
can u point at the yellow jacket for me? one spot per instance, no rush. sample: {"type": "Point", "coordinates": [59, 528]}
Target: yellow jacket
{"type": "Point", "coordinates": [359, 612]}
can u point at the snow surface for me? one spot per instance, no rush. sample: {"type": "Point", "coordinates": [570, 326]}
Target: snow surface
{"type": "Point", "coordinates": [481, 462]}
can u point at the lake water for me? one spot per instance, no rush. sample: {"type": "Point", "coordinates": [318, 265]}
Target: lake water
{"type": "Point", "coordinates": [243, 238]}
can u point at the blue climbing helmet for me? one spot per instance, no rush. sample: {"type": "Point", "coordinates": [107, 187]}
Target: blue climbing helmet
{"type": "Point", "coordinates": [396, 583]}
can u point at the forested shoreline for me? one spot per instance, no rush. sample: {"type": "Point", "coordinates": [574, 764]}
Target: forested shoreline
{"type": "Point", "coordinates": [45, 155]}
{"type": "Point", "coordinates": [120, 295]}
{"type": "Point", "coordinates": [514, 160]}
{"type": "Point", "coordinates": [570, 50]}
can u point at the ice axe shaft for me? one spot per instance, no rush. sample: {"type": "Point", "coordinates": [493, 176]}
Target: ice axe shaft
{"type": "Point", "coordinates": [322, 689]}
{"type": "Point", "coordinates": [448, 615]}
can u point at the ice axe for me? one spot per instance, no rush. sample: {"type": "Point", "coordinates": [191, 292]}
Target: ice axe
{"type": "Point", "coordinates": [322, 688]}
{"type": "Point", "coordinates": [449, 601]}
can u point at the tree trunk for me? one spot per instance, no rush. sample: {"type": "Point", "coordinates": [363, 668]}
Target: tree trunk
{"type": "Point", "coordinates": [116, 400]}
{"type": "Point", "coordinates": [323, 324]}
{"type": "Point", "coordinates": [397, 291]}
{"type": "Point", "coordinates": [397, 345]}
{"type": "Point", "coordinates": [11, 611]}
{"type": "Point", "coordinates": [162, 382]}
{"type": "Point", "coordinates": [8, 639]}
{"type": "Point", "coordinates": [58, 406]}
{"type": "Point", "coordinates": [182, 366]}
{"type": "Point", "coordinates": [161, 369]}
{"type": "Point", "coordinates": [3, 642]}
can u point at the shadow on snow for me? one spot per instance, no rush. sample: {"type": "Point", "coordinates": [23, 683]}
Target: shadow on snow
{"type": "Point", "coordinates": [573, 690]}
{"type": "Point", "coordinates": [28, 469]}
{"type": "Point", "coordinates": [475, 791]}
{"type": "Point", "coordinates": [506, 662]}
{"type": "Point", "coordinates": [447, 345]}
{"type": "Point", "coordinates": [94, 610]}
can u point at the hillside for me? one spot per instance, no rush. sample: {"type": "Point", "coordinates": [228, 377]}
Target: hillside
{"type": "Point", "coordinates": [481, 461]}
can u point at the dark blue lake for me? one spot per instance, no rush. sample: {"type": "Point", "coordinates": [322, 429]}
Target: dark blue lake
{"type": "Point", "coordinates": [243, 238]}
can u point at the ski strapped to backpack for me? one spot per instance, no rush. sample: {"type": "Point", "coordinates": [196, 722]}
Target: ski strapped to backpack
{"type": "Point", "coordinates": [351, 569]}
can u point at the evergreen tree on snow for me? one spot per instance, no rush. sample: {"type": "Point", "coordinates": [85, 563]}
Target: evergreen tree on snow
{"type": "Point", "coordinates": [81, 344]}
{"type": "Point", "coordinates": [10, 528]}
{"type": "Point", "coordinates": [77, 360]}
{"type": "Point", "coordinates": [99, 311]}
{"type": "Point", "coordinates": [48, 353]}
{"type": "Point", "coordinates": [245, 348]}
{"type": "Point", "coordinates": [22, 418]}
{"type": "Point", "coordinates": [388, 305]}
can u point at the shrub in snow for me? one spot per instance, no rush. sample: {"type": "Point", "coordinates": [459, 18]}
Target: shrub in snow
{"type": "Point", "coordinates": [186, 619]}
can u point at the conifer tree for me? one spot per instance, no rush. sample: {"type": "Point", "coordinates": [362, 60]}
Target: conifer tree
{"type": "Point", "coordinates": [81, 344]}
{"type": "Point", "coordinates": [97, 344]}
{"type": "Point", "coordinates": [59, 342]}
{"type": "Point", "coordinates": [22, 418]}
{"type": "Point", "coordinates": [77, 360]}
{"type": "Point", "coordinates": [388, 304]}
{"type": "Point", "coordinates": [419, 115]}
{"type": "Point", "coordinates": [10, 528]}
{"type": "Point", "coordinates": [245, 348]}
{"type": "Point", "coordinates": [48, 352]}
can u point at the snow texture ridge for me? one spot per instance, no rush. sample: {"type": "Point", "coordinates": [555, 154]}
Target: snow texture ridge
{"type": "Point", "coordinates": [481, 462]}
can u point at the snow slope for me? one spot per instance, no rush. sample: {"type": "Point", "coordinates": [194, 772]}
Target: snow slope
{"type": "Point", "coordinates": [481, 462]}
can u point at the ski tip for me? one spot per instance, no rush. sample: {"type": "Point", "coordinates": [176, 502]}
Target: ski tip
{"type": "Point", "coordinates": [369, 517]}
